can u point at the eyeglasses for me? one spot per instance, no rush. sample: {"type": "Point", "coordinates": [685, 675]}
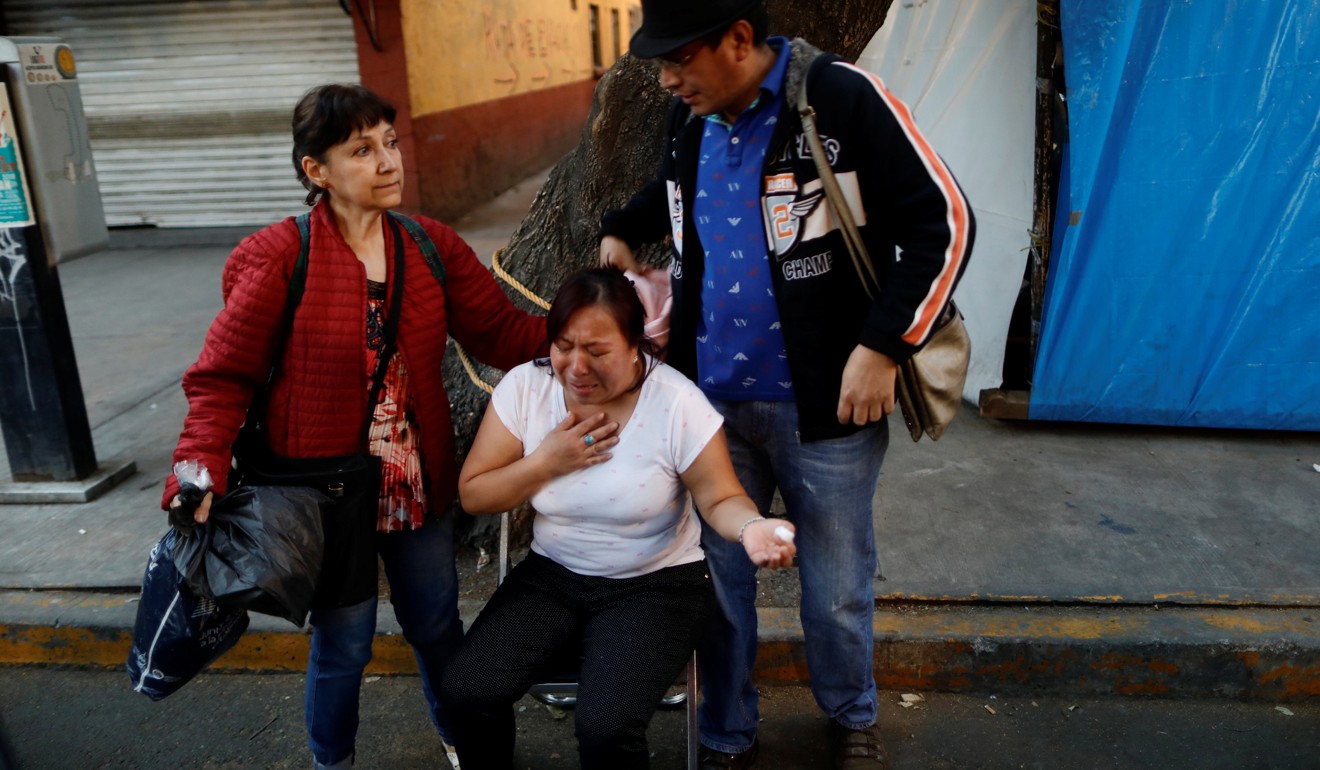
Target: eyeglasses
{"type": "Point", "coordinates": [675, 62]}
{"type": "Point", "coordinates": [674, 66]}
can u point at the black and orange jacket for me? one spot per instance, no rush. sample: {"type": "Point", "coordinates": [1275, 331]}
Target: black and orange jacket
{"type": "Point", "coordinates": [915, 220]}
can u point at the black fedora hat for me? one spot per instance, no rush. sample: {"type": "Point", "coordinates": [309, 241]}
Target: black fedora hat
{"type": "Point", "coordinates": [668, 25]}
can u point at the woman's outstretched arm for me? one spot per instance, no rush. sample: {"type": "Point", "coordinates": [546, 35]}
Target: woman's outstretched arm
{"type": "Point", "coordinates": [724, 504]}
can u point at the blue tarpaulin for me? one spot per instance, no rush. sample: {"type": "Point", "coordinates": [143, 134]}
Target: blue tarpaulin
{"type": "Point", "coordinates": [1184, 284]}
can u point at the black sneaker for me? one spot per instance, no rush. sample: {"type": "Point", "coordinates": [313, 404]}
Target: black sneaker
{"type": "Point", "coordinates": [858, 749]}
{"type": "Point", "coordinates": [710, 759]}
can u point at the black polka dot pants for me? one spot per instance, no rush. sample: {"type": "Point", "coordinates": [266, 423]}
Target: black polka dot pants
{"type": "Point", "coordinates": [630, 637]}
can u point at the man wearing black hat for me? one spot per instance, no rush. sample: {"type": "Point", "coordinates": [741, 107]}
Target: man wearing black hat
{"type": "Point", "coordinates": [771, 321]}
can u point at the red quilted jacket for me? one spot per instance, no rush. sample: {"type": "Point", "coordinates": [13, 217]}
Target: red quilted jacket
{"type": "Point", "coordinates": [319, 398]}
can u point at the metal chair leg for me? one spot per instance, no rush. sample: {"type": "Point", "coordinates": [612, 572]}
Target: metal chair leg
{"type": "Point", "coordinates": [504, 547]}
{"type": "Point", "coordinates": [693, 732]}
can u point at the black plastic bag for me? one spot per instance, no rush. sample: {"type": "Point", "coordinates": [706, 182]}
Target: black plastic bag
{"type": "Point", "coordinates": [176, 633]}
{"type": "Point", "coordinates": [349, 575]}
{"type": "Point", "coordinates": [261, 550]}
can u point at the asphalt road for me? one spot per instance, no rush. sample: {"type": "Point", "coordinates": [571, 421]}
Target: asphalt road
{"type": "Point", "coordinates": [91, 719]}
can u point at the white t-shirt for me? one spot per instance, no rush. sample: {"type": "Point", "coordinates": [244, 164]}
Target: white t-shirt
{"type": "Point", "coordinates": [631, 514]}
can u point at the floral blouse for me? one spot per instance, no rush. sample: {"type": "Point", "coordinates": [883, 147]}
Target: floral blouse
{"type": "Point", "coordinates": [392, 436]}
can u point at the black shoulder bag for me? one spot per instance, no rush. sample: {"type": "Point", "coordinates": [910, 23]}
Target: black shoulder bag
{"type": "Point", "coordinates": [348, 570]}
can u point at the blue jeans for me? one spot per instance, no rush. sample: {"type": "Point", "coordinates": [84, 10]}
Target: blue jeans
{"type": "Point", "coordinates": [827, 487]}
{"type": "Point", "coordinates": [419, 565]}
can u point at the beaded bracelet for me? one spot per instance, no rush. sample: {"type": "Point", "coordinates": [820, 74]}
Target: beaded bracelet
{"type": "Point", "coordinates": [743, 528]}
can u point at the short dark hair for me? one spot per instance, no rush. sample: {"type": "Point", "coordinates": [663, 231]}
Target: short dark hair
{"type": "Point", "coordinates": [608, 289]}
{"type": "Point", "coordinates": [757, 16]}
{"type": "Point", "coordinates": [328, 115]}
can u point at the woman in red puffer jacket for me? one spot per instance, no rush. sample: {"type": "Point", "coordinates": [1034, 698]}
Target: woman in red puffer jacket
{"type": "Point", "coordinates": [346, 154]}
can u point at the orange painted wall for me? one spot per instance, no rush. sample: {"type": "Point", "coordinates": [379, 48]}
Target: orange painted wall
{"type": "Point", "coordinates": [472, 153]}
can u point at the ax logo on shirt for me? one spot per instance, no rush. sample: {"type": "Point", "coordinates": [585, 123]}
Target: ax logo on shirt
{"type": "Point", "coordinates": [676, 214]}
{"type": "Point", "coordinates": [785, 211]}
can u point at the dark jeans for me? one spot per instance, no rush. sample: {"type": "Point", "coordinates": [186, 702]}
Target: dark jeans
{"type": "Point", "coordinates": [633, 636]}
{"type": "Point", "coordinates": [424, 591]}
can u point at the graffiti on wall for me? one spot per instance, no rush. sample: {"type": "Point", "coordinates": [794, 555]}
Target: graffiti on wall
{"type": "Point", "coordinates": [466, 52]}
{"type": "Point", "coordinates": [533, 48]}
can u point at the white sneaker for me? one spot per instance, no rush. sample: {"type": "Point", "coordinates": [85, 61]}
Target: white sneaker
{"type": "Point", "coordinates": [343, 764]}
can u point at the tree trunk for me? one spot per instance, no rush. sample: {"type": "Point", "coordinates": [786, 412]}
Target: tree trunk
{"type": "Point", "coordinates": [618, 153]}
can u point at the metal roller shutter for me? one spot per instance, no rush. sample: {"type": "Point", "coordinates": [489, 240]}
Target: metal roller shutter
{"type": "Point", "coordinates": [188, 101]}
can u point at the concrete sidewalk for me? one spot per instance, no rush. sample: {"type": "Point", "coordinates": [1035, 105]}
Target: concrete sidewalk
{"type": "Point", "coordinates": [1013, 556]}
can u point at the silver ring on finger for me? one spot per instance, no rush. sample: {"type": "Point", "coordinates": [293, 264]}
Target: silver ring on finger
{"type": "Point", "coordinates": [588, 439]}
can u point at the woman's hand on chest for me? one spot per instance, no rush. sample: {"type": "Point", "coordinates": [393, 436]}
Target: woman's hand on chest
{"type": "Point", "coordinates": [575, 444]}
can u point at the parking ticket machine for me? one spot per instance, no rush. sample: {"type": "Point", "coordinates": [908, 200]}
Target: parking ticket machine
{"type": "Point", "coordinates": [44, 117]}
{"type": "Point", "coordinates": [50, 212]}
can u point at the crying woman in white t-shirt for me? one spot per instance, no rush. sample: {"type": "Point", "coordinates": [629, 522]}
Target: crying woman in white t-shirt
{"type": "Point", "coordinates": [611, 447]}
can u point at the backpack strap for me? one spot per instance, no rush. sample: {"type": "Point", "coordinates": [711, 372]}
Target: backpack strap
{"type": "Point", "coordinates": [424, 243]}
{"type": "Point", "coordinates": [298, 281]}
{"type": "Point", "coordinates": [256, 414]}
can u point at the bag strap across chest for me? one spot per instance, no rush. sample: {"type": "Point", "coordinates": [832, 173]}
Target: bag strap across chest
{"type": "Point", "coordinates": [298, 285]}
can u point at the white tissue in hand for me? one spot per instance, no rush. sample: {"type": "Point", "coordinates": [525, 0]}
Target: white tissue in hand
{"type": "Point", "coordinates": [192, 472]}
{"type": "Point", "coordinates": [784, 533]}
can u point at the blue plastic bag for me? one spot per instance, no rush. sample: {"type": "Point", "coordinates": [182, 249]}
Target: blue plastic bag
{"type": "Point", "coordinates": [176, 633]}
